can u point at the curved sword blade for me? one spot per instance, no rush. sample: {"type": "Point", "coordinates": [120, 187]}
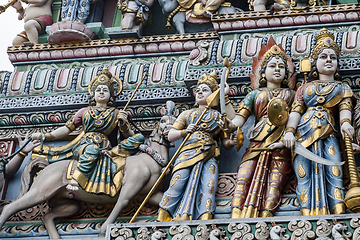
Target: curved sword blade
{"type": "Point", "coordinates": [301, 150]}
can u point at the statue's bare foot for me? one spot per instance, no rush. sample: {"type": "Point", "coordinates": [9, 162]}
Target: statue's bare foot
{"type": "Point", "coordinates": [29, 44]}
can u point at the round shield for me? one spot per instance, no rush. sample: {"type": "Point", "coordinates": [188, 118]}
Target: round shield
{"type": "Point", "coordinates": [278, 111]}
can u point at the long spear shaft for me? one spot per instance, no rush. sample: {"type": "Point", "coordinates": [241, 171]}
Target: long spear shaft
{"type": "Point", "coordinates": [133, 94]}
{"type": "Point", "coordinates": [173, 158]}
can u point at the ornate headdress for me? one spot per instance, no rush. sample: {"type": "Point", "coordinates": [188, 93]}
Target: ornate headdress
{"type": "Point", "coordinates": [265, 53]}
{"type": "Point", "coordinates": [106, 78]}
{"type": "Point", "coordinates": [324, 39]}
{"type": "Point", "coordinates": [210, 80]}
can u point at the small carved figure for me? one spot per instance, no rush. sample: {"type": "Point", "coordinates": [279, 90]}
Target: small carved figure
{"type": "Point", "coordinates": [8, 169]}
{"type": "Point", "coordinates": [196, 12]}
{"type": "Point", "coordinates": [135, 13]}
{"type": "Point", "coordinates": [276, 233]}
{"type": "Point", "coordinates": [266, 164]}
{"type": "Point", "coordinates": [37, 16]}
{"type": "Point", "coordinates": [191, 194]}
{"type": "Point", "coordinates": [312, 123]}
{"type": "Point", "coordinates": [262, 5]}
{"type": "Point", "coordinates": [88, 169]}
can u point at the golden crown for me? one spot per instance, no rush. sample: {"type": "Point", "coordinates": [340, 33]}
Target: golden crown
{"type": "Point", "coordinates": [105, 77]}
{"type": "Point", "coordinates": [324, 39]}
{"type": "Point", "coordinates": [210, 80]}
{"type": "Point", "coordinates": [274, 50]}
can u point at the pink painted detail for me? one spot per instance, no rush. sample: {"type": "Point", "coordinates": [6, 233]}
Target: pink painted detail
{"type": "Point", "coordinates": [251, 47]}
{"type": "Point", "coordinates": [33, 56]}
{"type": "Point", "coordinates": [262, 23]}
{"type": "Point", "coordinates": [351, 40]}
{"type": "Point", "coordinates": [20, 121]}
{"type": "Point", "coordinates": [225, 26]}
{"type": "Point", "coordinates": [156, 77]}
{"type": "Point", "coordinates": [127, 49]}
{"type": "Point", "coordinates": [81, 225]}
{"type": "Point", "coordinates": [339, 17]}
{"type": "Point", "coordinates": [68, 53]}
{"type": "Point", "coordinates": [299, 20]}
{"type": "Point", "coordinates": [313, 19]}
{"type": "Point", "coordinates": [63, 78]}
{"type": "Point", "coordinates": [91, 52]}
{"type": "Point", "coordinates": [80, 53]}
{"type": "Point", "coordinates": [275, 22]}
{"type": "Point", "coordinates": [177, 46]}
{"type": "Point", "coordinates": [152, 47]}
{"type": "Point", "coordinates": [12, 57]}
{"type": "Point", "coordinates": [116, 50]}
{"type": "Point", "coordinates": [352, 16]}
{"type": "Point", "coordinates": [45, 55]}
{"type": "Point", "coordinates": [301, 42]}
{"type": "Point", "coordinates": [194, 53]}
{"type": "Point", "coordinates": [287, 21]}
{"type": "Point", "coordinates": [16, 83]}
{"type": "Point", "coordinates": [55, 119]}
{"type": "Point", "coordinates": [112, 69]}
{"type": "Point", "coordinates": [22, 56]}
{"type": "Point", "coordinates": [103, 51]}
{"type": "Point", "coordinates": [165, 47]}
{"type": "Point", "coordinates": [189, 45]}
{"type": "Point", "coordinates": [250, 24]}
{"type": "Point", "coordinates": [139, 49]}
{"type": "Point", "coordinates": [325, 18]}
{"type": "Point", "coordinates": [78, 26]}
{"type": "Point", "coordinates": [56, 54]}
{"type": "Point", "coordinates": [238, 25]}
{"type": "Point", "coordinates": [216, 26]}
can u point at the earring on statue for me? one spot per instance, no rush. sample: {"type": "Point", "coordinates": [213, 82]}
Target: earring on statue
{"type": "Point", "coordinates": [263, 79]}
{"type": "Point", "coordinates": [337, 75]}
{"type": "Point", "coordinates": [285, 81]}
{"type": "Point", "coordinates": [315, 74]}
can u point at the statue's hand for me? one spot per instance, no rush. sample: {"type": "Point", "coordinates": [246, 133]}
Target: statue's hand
{"type": "Point", "coordinates": [30, 146]}
{"type": "Point", "coordinates": [347, 128]}
{"type": "Point", "coordinates": [38, 136]}
{"type": "Point", "coordinates": [122, 117]}
{"type": "Point", "coordinates": [230, 125]}
{"type": "Point", "coordinates": [356, 148]}
{"type": "Point", "coordinates": [289, 140]}
{"type": "Point", "coordinates": [277, 145]}
{"type": "Point", "coordinates": [191, 128]}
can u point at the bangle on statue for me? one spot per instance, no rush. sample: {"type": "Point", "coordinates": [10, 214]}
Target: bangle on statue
{"type": "Point", "coordinates": [23, 154]}
{"type": "Point", "coordinates": [20, 10]}
{"type": "Point", "coordinates": [48, 137]}
{"type": "Point", "coordinates": [290, 129]}
{"type": "Point", "coordinates": [227, 100]}
{"type": "Point", "coordinates": [183, 133]}
{"type": "Point", "coordinates": [345, 120]}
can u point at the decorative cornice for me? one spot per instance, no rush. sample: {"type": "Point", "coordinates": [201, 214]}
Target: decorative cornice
{"type": "Point", "coordinates": [288, 17]}
{"type": "Point", "coordinates": [108, 47]}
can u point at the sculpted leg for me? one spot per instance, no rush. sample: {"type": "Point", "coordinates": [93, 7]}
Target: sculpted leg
{"type": "Point", "coordinates": [128, 20]}
{"type": "Point", "coordinates": [135, 179]}
{"type": "Point", "coordinates": [18, 41]}
{"type": "Point", "coordinates": [60, 207]}
{"type": "Point", "coordinates": [32, 29]}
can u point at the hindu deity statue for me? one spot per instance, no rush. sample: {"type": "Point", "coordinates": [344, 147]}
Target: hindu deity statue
{"type": "Point", "coordinates": [191, 194]}
{"type": "Point", "coordinates": [312, 123]}
{"type": "Point", "coordinates": [96, 171]}
{"type": "Point", "coordinates": [266, 164]}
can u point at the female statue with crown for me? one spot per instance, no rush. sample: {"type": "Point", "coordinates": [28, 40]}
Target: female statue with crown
{"type": "Point", "coordinates": [312, 123]}
{"type": "Point", "coordinates": [191, 194]}
{"type": "Point", "coordinates": [95, 172]}
{"type": "Point", "coordinates": [266, 164]}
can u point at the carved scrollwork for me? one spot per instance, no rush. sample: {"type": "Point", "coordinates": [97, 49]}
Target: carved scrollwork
{"type": "Point", "coordinates": [301, 230]}
{"type": "Point", "coordinates": [200, 53]}
{"type": "Point", "coordinates": [339, 232]}
{"type": "Point", "coordinates": [121, 233]}
{"type": "Point", "coordinates": [240, 231]}
{"type": "Point", "coordinates": [202, 232]}
{"type": "Point", "coordinates": [181, 232]}
{"type": "Point", "coordinates": [355, 224]}
{"type": "Point", "coordinates": [323, 228]}
{"type": "Point", "coordinates": [262, 231]}
{"type": "Point", "coordinates": [143, 234]}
